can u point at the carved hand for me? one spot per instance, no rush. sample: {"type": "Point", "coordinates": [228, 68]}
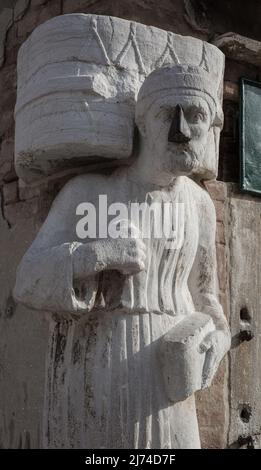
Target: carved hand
{"type": "Point", "coordinates": [127, 255]}
{"type": "Point", "coordinates": [215, 344]}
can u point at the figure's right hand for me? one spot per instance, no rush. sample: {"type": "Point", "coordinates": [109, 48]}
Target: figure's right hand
{"type": "Point", "coordinates": [126, 254]}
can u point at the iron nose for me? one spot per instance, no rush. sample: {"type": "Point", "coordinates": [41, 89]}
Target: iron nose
{"type": "Point", "coordinates": [179, 131]}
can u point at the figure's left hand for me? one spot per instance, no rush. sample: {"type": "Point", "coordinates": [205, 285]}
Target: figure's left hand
{"type": "Point", "coordinates": [215, 345]}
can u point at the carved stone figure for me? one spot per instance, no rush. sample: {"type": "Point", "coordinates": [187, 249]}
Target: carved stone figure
{"type": "Point", "coordinates": [135, 322]}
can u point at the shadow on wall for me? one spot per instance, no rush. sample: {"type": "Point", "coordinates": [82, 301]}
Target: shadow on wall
{"type": "Point", "coordinates": [225, 15]}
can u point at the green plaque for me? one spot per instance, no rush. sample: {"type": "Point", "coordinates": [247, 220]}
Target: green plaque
{"type": "Point", "coordinates": [250, 136]}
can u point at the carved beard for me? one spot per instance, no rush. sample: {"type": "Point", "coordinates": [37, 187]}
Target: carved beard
{"type": "Point", "coordinates": [185, 159]}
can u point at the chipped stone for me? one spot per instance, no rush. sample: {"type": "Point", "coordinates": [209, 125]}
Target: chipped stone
{"type": "Point", "coordinates": [240, 48]}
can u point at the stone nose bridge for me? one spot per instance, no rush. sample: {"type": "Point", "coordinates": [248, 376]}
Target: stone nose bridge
{"type": "Point", "coordinates": [179, 131]}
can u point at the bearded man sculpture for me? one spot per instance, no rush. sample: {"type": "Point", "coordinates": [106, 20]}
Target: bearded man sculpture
{"type": "Point", "coordinates": [129, 293]}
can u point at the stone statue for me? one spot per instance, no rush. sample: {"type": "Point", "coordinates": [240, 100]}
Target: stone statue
{"type": "Point", "coordinates": [136, 325]}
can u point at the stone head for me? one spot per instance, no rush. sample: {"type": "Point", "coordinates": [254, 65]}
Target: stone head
{"type": "Point", "coordinates": [177, 114]}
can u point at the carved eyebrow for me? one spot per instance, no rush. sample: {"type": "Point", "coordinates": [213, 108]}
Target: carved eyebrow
{"type": "Point", "coordinates": [193, 106]}
{"type": "Point", "coordinates": [197, 107]}
{"type": "Point", "coordinates": [168, 110]}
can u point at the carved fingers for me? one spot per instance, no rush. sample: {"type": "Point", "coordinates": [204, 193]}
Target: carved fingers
{"type": "Point", "coordinates": [129, 255]}
{"type": "Point", "coordinates": [128, 250]}
{"type": "Point", "coordinates": [215, 345]}
{"type": "Point", "coordinates": [135, 256]}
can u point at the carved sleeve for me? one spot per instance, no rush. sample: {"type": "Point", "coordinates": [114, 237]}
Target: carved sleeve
{"type": "Point", "coordinates": [45, 281]}
{"type": "Point", "coordinates": [45, 277]}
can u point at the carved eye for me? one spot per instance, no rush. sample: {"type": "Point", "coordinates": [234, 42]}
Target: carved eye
{"type": "Point", "coordinates": [197, 116]}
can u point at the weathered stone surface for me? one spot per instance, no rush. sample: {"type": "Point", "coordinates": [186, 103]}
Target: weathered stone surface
{"type": "Point", "coordinates": [167, 15]}
{"type": "Point", "coordinates": [6, 18]}
{"type": "Point", "coordinates": [196, 17]}
{"type": "Point", "coordinates": [36, 15]}
{"type": "Point", "coordinates": [27, 192]}
{"type": "Point", "coordinates": [7, 124]}
{"type": "Point", "coordinates": [20, 9]}
{"type": "Point", "coordinates": [26, 210]}
{"type": "Point", "coordinates": [7, 150]}
{"type": "Point", "coordinates": [10, 192]}
{"type": "Point", "coordinates": [5, 168]}
{"type": "Point", "coordinates": [240, 48]}
{"type": "Point", "coordinates": [7, 81]}
{"type": "Point", "coordinates": [222, 267]}
{"type": "Point", "coordinates": [213, 419]}
{"type": "Point", "coordinates": [214, 17]}
{"type": "Point", "coordinates": [40, 2]}
{"type": "Point", "coordinates": [23, 343]}
{"type": "Point", "coordinates": [217, 190]}
{"type": "Point", "coordinates": [220, 210]}
{"type": "Point", "coordinates": [220, 233]}
{"type": "Point", "coordinates": [245, 279]}
{"type": "Point", "coordinates": [231, 91]}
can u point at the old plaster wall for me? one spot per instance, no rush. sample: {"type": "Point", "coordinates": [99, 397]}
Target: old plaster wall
{"type": "Point", "coordinates": [24, 333]}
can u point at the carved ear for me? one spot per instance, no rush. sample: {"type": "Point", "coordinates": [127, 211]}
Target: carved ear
{"type": "Point", "coordinates": [211, 157]}
{"type": "Point", "coordinates": [209, 166]}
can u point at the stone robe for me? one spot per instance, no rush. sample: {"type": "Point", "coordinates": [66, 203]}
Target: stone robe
{"type": "Point", "coordinates": [104, 384]}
